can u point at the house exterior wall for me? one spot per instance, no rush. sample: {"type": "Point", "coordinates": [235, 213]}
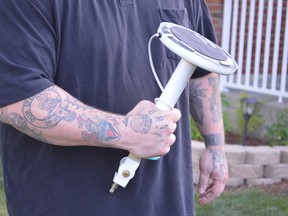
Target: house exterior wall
{"type": "Point", "coordinates": [216, 8]}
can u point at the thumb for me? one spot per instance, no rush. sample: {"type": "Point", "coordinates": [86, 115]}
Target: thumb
{"type": "Point", "coordinates": [176, 114]}
{"type": "Point", "coordinates": [203, 182]}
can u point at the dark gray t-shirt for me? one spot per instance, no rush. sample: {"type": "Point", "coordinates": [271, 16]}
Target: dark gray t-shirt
{"type": "Point", "coordinates": [96, 51]}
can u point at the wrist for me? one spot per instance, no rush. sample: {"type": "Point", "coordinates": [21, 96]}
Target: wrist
{"type": "Point", "coordinates": [214, 140]}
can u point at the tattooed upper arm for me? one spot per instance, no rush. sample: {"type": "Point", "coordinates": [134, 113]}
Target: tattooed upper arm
{"type": "Point", "coordinates": [215, 106]}
{"type": "Point", "coordinates": [199, 93]}
{"type": "Point", "coordinates": [195, 100]}
{"type": "Point", "coordinates": [205, 108]}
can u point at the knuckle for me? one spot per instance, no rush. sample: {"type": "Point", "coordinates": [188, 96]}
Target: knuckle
{"type": "Point", "coordinates": [173, 138]}
{"type": "Point", "coordinates": [171, 128]}
{"type": "Point", "coordinates": [166, 150]}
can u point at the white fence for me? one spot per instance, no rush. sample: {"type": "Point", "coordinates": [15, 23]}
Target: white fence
{"type": "Point", "coordinates": [255, 33]}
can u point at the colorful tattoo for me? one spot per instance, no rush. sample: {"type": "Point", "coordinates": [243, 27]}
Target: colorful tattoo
{"type": "Point", "coordinates": [97, 130]}
{"type": "Point", "coordinates": [50, 107]}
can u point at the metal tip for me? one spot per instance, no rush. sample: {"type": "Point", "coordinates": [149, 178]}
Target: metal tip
{"type": "Point", "coordinates": [113, 188]}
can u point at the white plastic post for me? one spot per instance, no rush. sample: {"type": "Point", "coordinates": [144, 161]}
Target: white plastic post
{"type": "Point", "coordinates": [175, 85]}
{"type": "Point", "coordinates": [165, 102]}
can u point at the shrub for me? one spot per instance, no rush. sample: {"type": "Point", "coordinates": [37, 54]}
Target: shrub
{"type": "Point", "coordinates": [277, 133]}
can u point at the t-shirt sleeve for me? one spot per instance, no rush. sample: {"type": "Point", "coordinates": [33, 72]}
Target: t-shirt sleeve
{"type": "Point", "coordinates": [27, 51]}
{"type": "Point", "coordinates": [201, 22]}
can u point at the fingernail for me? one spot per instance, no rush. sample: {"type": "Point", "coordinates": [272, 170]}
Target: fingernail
{"type": "Point", "coordinates": [201, 190]}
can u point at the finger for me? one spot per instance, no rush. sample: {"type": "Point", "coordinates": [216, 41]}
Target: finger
{"type": "Point", "coordinates": [176, 115]}
{"type": "Point", "coordinates": [202, 183]}
{"type": "Point", "coordinates": [208, 198]}
{"type": "Point", "coordinates": [175, 127]}
{"type": "Point", "coordinates": [213, 191]}
{"type": "Point", "coordinates": [172, 138]}
{"type": "Point", "coordinates": [208, 190]}
{"type": "Point", "coordinates": [169, 141]}
{"type": "Point", "coordinates": [168, 129]}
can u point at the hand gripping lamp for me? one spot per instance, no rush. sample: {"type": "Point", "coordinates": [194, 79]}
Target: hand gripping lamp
{"type": "Point", "coordinates": [195, 50]}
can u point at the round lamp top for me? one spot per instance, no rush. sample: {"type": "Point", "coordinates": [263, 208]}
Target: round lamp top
{"type": "Point", "coordinates": [196, 49]}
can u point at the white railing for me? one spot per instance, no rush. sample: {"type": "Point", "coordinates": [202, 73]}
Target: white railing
{"type": "Point", "coordinates": [255, 33]}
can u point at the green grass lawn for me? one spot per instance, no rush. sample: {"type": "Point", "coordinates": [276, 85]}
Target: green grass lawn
{"type": "Point", "coordinates": [249, 202]}
{"type": "Point", "coordinates": [3, 210]}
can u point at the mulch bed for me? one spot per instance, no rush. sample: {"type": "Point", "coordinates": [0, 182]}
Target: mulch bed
{"type": "Point", "coordinates": [279, 189]}
{"type": "Point", "coordinates": [232, 138]}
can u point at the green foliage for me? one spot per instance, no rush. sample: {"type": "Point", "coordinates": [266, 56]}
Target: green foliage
{"type": "Point", "coordinates": [277, 133]}
{"type": "Point", "coordinates": [224, 101]}
{"type": "Point", "coordinates": [195, 132]}
{"type": "Point", "coordinates": [3, 210]}
{"type": "Point", "coordinates": [228, 126]}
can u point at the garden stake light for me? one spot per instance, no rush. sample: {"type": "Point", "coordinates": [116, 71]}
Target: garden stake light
{"type": "Point", "coordinates": [195, 50]}
{"type": "Point", "coordinates": [248, 106]}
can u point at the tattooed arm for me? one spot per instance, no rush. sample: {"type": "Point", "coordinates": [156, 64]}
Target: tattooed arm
{"type": "Point", "coordinates": [53, 116]}
{"type": "Point", "coordinates": [205, 109]}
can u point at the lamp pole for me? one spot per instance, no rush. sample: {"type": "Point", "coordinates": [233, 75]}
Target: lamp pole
{"type": "Point", "coordinates": [248, 106]}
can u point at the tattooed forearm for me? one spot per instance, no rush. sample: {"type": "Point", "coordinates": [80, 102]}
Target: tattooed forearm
{"type": "Point", "coordinates": [97, 129]}
{"type": "Point", "coordinates": [55, 117]}
{"type": "Point", "coordinates": [125, 121]}
{"type": "Point", "coordinates": [219, 161]}
{"type": "Point", "coordinates": [47, 109]}
{"type": "Point", "coordinates": [196, 104]}
{"type": "Point", "coordinates": [214, 140]}
{"type": "Point", "coordinates": [20, 123]}
{"type": "Point", "coordinates": [215, 107]}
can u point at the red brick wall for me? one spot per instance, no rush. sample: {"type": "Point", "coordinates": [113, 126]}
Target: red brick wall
{"type": "Point", "coordinates": [216, 9]}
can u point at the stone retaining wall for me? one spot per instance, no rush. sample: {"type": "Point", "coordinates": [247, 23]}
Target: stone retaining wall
{"type": "Point", "coordinates": [249, 165]}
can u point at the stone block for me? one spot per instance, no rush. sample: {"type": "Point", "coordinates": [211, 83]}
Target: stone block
{"type": "Point", "coordinates": [262, 181]}
{"type": "Point", "coordinates": [245, 171]}
{"type": "Point", "coordinates": [262, 155]}
{"type": "Point", "coordinates": [195, 178]}
{"type": "Point", "coordinates": [197, 150]}
{"type": "Point", "coordinates": [276, 171]}
{"type": "Point", "coordinates": [235, 154]}
{"type": "Point", "coordinates": [235, 182]}
{"type": "Point", "coordinates": [284, 153]}
{"type": "Point", "coordinates": [195, 166]}
{"type": "Point", "coordinates": [196, 172]}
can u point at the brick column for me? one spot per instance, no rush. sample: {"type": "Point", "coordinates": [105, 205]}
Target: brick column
{"type": "Point", "coordinates": [216, 8]}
